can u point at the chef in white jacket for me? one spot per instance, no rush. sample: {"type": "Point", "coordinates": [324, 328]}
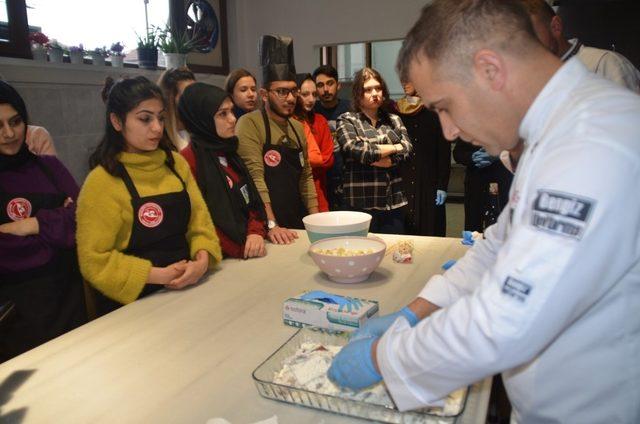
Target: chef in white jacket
{"type": "Point", "coordinates": [551, 297]}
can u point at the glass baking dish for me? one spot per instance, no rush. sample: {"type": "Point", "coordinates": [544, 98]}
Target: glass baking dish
{"type": "Point", "coordinates": [264, 374]}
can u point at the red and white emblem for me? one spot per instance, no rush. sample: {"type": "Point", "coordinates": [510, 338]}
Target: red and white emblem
{"type": "Point", "coordinates": [19, 209]}
{"type": "Point", "coordinates": [230, 181]}
{"type": "Point", "coordinates": [272, 158]}
{"type": "Point", "coordinates": [150, 215]}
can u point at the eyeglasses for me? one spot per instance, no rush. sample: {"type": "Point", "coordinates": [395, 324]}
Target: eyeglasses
{"type": "Point", "coordinates": [283, 93]}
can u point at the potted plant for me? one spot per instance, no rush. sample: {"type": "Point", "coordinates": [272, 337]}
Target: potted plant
{"type": "Point", "coordinates": [38, 42]}
{"type": "Point", "coordinates": [56, 51]}
{"type": "Point", "coordinates": [98, 55]}
{"type": "Point", "coordinates": [76, 54]}
{"type": "Point", "coordinates": [117, 55]}
{"type": "Point", "coordinates": [148, 50]}
{"type": "Point", "coordinates": [175, 46]}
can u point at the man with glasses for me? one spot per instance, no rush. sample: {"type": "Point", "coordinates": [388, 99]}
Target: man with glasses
{"type": "Point", "coordinates": [273, 146]}
{"type": "Point", "coordinates": [331, 107]}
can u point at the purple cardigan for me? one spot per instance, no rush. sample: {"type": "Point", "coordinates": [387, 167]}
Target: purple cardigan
{"type": "Point", "coordinates": [57, 226]}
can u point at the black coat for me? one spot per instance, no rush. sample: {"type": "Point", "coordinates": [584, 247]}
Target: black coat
{"type": "Point", "coordinates": [476, 185]}
{"type": "Point", "coordinates": [426, 171]}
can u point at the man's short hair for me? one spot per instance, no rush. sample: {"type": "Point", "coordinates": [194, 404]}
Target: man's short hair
{"type": "Point", "coordinates": [539, 8]}
{"type": "Point", "coordinates": [327, 70]}
{"type": "Point", "coordinates": [452, 30]}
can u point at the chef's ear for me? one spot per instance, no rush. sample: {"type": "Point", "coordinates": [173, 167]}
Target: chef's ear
{"type": "Point", "coordinates": [115, 121]}
{"type": "Point", "coordinates": [490, 67]}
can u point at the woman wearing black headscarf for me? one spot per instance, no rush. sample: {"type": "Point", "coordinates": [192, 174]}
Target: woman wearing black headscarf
{"type": "Point", "coordinates": [233, 200]}
{"type": "Point", "coordinates": [38, 265]}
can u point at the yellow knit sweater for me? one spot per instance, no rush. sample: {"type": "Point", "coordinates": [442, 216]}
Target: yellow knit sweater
{"type": "Point", "coordinates": [105, 218]}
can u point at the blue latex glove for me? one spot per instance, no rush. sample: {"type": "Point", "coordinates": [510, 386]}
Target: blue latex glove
{"type": "Point", "coordinates": [345, 303]}
{"type": "Point", "coordinates": [467, 238]}
{"type": "Point", "coordinates": [482, 159]}
{"type": "Point", "coordinates": [448, 264]}
{"type": "Point", "coordinates": [375, 327]}
{"type": "Point", "coordinates": [441, 196]}
{"type": "Point", "coordinates": [353, 366]}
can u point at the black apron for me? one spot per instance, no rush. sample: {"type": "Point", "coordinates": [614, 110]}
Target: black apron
{"type": "Point", "coordinates": [282, 171]}
{"type": "Point", "coordinates": [158, 233]}
{"type": "Point", "coordinates": [49, 300]}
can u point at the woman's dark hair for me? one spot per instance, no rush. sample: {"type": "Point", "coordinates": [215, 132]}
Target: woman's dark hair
{"type": "Point", "coordinates": [168, 82]}
{"type": "Point", "coordinates": [299, 110]}
{"type": "Point", "coordinates": [357, 91]}
{"type": "Point", "coordinates": [122, 97]}
{"type": "Point", "coordinates": [9, 95]}
{"type": "Point", "coordinates": [234, 77]}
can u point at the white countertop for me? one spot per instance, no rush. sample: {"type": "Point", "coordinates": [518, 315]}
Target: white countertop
{"type": "Point", "coordinates": [187, 356]}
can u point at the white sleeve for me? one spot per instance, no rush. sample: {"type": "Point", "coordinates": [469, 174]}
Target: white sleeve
{"type": "Point", "coordinates": [618, 69]}
{"type": "Point", "coordinates": [461, 279]}
{"type": "Point", "coordinates": [545, 276]}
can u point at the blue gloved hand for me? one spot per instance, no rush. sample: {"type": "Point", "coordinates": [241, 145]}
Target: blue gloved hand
{"type": "Point", "coordinates": [441, 196]}
{"type": "Point", "coordinates": [467, 238]}
{"type": "Point", "coordinates": [482, 159]}
{"type": "Point", "coordinates": [345, 303]}
{"type": "Point", "coordinates": [353, 366]}
{"type": "Point", "coordinates": [375, 327]}
{"type": "Point", "coordinates": [448, 264]}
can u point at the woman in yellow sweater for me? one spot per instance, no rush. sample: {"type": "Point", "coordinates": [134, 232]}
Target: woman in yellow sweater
{"type": "Point", "coordinates": [142, 223]}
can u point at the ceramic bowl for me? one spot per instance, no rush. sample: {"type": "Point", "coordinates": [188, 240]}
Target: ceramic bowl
{"type": "Point", "coordinates": [348, 269]}
{"type": "Point", "coordinates": [336, 224]}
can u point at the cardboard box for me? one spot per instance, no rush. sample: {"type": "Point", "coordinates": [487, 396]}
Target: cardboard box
{"type": "Point", "coordinates": [317, 313]}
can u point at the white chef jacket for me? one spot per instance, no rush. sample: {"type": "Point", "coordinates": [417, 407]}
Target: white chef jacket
{"type": "Point", "coordinates": [551, 296]}
{"type": "Point", "coordinates": [611, 65]}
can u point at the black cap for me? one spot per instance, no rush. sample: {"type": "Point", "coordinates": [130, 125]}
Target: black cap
{"type": "Point", "coordinates": [276, 58]}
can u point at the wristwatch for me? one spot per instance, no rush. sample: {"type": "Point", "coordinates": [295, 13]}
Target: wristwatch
{"type": "Point", "coordinates": [271, 224]}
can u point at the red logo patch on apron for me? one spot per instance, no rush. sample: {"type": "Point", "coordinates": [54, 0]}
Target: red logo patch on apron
{"type": "Point", "coordinates": [19, 209]}
{"type": "Point", "coordinates": [150, 215]}
{"type": "Point", "coordinates": [272, 158]}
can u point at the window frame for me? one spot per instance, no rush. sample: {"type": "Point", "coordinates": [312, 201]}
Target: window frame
{"type": "Point", "coordinates": [18, 44]}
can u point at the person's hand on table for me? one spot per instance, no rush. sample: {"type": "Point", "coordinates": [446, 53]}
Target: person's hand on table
{"type": "Point", "coordinates": [281, 235]}
{"type": "Point", "coordinates": [441, 197]}
{"type": "Point", "coordinates": [191, 271]}
{"type": "Point", "coordinates": [353, 366]}
{"type": "Point", "coordinates": [254, 246]}
{"type": "Point", "coordinates": [376, 327]}
{"type": "Point", "coordinates": [163, 275]}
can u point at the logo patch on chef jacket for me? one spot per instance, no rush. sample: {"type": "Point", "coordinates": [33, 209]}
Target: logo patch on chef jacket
{"type": "Point", "coordinates": [19, 209]}
{"type": "Point", "coordinates": [272, 158]}
{"type": "Point", "coordinates": [150, 215]}
{"type": "Point", "coordinates": [561, 213]}
{"type": "Point", "coordinates": [516, 289]}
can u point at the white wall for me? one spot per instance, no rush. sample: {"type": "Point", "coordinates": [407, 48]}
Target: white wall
{"type": "Point", "coordinates": [313, 23]}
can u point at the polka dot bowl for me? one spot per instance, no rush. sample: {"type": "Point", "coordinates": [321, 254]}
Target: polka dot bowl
{"type": "Point", "coordinates": [336, 224]}
{"type": "Point", "coordinates": [348, 269]}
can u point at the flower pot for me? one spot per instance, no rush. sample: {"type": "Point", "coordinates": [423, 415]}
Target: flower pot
{"type": "Point", "coordinates": [39, 53]}
{"type": "Point", "coordinates": [148, 57]}
{"type": "Point", "coordinates": [76, 57]}
{"type": "Point", "coordinates": [175, 60]}
{"type": "Point", "coordinates": [117, 61]}
{"type": "Point", "coordinates": [56, 55]}
{"type": "Point", "coordinates": [97, 59]}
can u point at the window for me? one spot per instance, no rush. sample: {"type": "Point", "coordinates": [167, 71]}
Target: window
{"type": "Point", "coordinates": [380, 55]}
{"type": "Point", "coordinates": [95, 23]}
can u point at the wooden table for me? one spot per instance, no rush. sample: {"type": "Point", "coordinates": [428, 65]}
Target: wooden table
{"type": "Point", "coordinates": [187, 356]}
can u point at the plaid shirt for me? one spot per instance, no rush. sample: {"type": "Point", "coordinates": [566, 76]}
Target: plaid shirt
{"type": "Point", "coordinates": [365, 186]}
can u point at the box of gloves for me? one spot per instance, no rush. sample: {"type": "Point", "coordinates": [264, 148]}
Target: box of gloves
{"type": "Point", "coordinates": [329, 311]}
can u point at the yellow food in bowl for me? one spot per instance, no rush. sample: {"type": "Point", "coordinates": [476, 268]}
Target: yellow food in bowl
{"type": "Point", "coordinates": [341, 251]}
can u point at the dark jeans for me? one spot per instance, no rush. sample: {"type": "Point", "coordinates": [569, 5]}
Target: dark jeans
{"type": "Point", "coordinates": [386, 222]}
